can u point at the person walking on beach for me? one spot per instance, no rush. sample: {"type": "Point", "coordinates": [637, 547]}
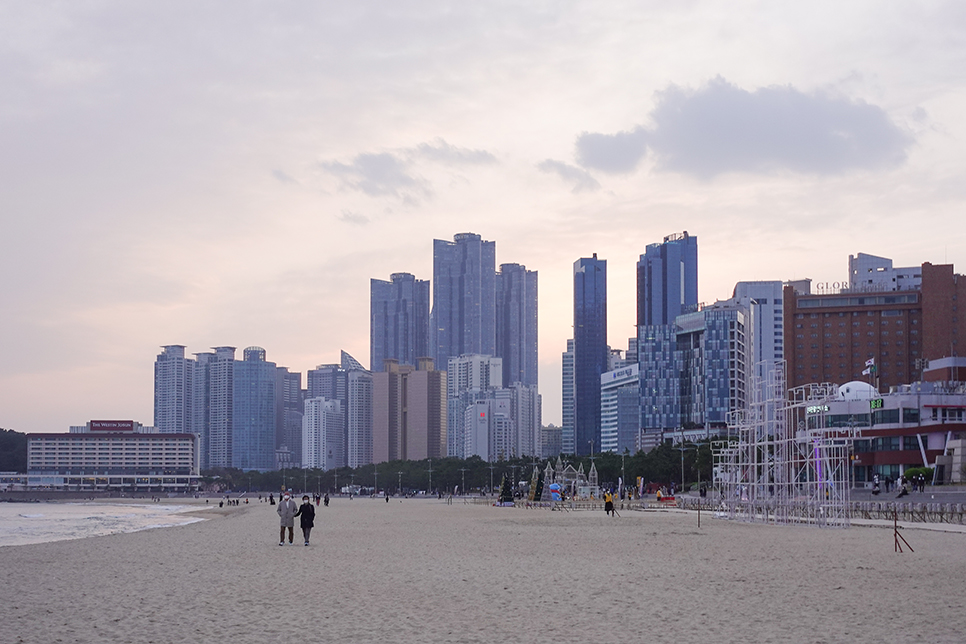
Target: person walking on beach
{"type": "Point", "coordinates": [608, 503]}
{"type": "Point", "coordinates": [286, 511]}
{"type": "Point", "coordinates": [306, 514]}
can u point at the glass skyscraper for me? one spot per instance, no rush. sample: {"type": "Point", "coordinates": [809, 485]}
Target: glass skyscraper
{"type": "Point", "coordinates": [253, 428]}
{"type": "Point", "coordinates": [398, 320]}
{"type": "Point", "coordinates": [463, 319]}
{"type": "Point", "coordinates": [590, 349]}
{"type": "Point", "coordinates": [516, 323]}
{"type": "Point", "coordinates": [667, 280]}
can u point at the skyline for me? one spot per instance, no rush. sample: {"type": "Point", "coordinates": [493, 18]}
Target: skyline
{"type": "Point", "coordinates": [211, 176]}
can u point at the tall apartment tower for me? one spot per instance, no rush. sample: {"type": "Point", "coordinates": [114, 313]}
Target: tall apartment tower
{"type": "Point", "coordinates": [408, 412]}
{"type": "Point", "coordinates": [590, 349]}
{"type": "Point", "coordinates": [322, 434]}
{"type": "Point", "coordinates": [288, 413]}
{"type": "Point", "coordinates": [463, 319]}
{"type": "Point", "coordinates": [567, 440]}
{"type": "Point", "coordinates": [351, 385]}
{"type": "Point", "coordinates": [172, 390]}
{"type": "Point", "coordinates": [667, 279]}
{"type": "Point", "coordinates": [253, 418]}
{"type": "Point", "coordinates": [358, 417]}
{"type": "Point", "coordinates": [467, 377]}
{"type": "Point", "coordinates": [221, 406]}
{"type": "Point", "coordinates": [516, 323]}
{"type": "Point", "coordinates": [398, 320]}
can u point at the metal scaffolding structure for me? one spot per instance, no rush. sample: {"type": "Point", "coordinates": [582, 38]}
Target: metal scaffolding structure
{"type": "Point", "coordinates": [785, 466]}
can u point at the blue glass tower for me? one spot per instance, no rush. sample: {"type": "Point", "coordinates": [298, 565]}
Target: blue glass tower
{"type": "Point", "coordinates": [464, 297]}
{"type": "Point", "coordinates": [398, 320]}
{"type": "Point", "coordinates": [253, 427]}
{"type": "Point", "coordinates": [590, 349]}
{"type": "Point", "coordinates": [516, 323]}
{"type": "Point", "coordinates": [667, 280]}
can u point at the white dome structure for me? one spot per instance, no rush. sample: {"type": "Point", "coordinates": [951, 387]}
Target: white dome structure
{"type": "Point", "coordinates": [857, 390]}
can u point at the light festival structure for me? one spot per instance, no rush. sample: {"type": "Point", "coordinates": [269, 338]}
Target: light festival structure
{"type": "Point", "coordinates": [780, 470]}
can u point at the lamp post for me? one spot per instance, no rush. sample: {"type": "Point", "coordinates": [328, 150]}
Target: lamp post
{"type": "Point", "coordinates": [681, 448]}
{"type": "Point", "coordinates": [305, 480]}
{"type": "Point", "coordinates": [430, 470]}
{"type": "Point", "coordinates": [399, 484]}
{"type": "Point", "coordinates": [335, 474]}
{"type": "Point", "coordinates": [463, 481]}
{"type": "Point", "coordinates": [375, 480]}
{"type": "Point", "coordinates": [491, 466]}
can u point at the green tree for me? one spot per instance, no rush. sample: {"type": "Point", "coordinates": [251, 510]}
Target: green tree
{"type": "Point", "coordinates": [13, 451]}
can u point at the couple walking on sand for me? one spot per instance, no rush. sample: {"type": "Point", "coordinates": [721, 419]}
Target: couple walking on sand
{"type": "Point", "coordinates": [287, 513]}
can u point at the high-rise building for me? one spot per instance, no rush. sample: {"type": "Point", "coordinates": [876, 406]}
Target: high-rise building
{"type": "Point", "coordinates": [221, 406]}
{"type": "Point", "coordinates": [463, 319]}
{"type": "Point", "coordinates": [350, 384]}
{"type": "Point", "coordinates": [408, 412]}
{"type": "Point", "coordinates": [516, 323]}
{"type": "Point", "coordinates": [567, 440]}
{"type": "Point", "coordinates": [253, 418]}
{"type": "Point", "coordinates": [322, 434]}
{"type": "Point", "coordinates": [526, 410]}
{"type": "Point", "coordinates": [398, 320]}
{"type": "Point", "coordinates": [288, 413]}
{"type": "Point", "coordinates": [667, 280]}
{"type": "Point", "coordinates": [172, 390]}
{"type": "Point", "coordinates": [467, 376]}
{"type": "Point", "coordinates": [694, 371]}
{"type": "Point", "coordinates": [890, 335]}
{"type": "Point", "coordinates": [619, 411]}
{"type": "Point", "coordinates": [359, 418]}
{"type": "Point", "coordinates": [590, 349]}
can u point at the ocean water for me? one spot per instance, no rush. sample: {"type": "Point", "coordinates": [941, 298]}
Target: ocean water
{"type": "Point", "coordinates": [23, 523]}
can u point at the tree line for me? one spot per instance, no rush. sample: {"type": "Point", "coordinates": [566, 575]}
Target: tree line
{"type": "Point", "coordinates": [13, 451]}
{"type": "Point", "coordinates": [661, 465]}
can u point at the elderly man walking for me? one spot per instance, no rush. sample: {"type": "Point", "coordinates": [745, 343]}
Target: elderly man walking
{"type": "Point", "coordinates": [286, 512]}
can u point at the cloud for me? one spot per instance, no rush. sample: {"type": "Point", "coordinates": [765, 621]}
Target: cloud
{"type": "Point", "coordinates": [281, 176]}
{"type": "Point", "coordinates": [612, 153]}
{"type": "Point", "coordinates": [353, 218]}
{"type": "Point", "coordinates": [378, 175]}
{"type": "Point", "coordinates": [721, 128]}
{"type": "Point", "coordinates": [442, 152]}
{"type": "Point", "coordinates": [581, 180]}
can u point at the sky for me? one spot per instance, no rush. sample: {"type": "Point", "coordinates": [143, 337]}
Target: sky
{"type": "Point", "coordinates": [234, 173]}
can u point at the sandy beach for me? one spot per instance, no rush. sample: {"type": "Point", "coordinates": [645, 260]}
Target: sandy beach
{"type": "Point", "coordinates": [424, 571]}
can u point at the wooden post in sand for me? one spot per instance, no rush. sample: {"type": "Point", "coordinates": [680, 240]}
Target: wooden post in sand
{"type": "Point", "coordinates": [895, 529]}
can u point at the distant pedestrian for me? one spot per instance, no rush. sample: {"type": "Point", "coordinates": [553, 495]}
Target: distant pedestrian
{"type": "Point", "coordinates": [286, 511]}
{"type": "Point", "coordinates": [325, 499]}
{"type": "Point", "coordinates": [608, 503]}
{"type": "Point", "coordinates": [306, 514]}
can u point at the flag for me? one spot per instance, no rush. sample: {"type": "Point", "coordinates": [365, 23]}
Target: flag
{"type": "Point", "coordinates": [870, 362]}
{"type": "Point", "coordinates": [866, 372]}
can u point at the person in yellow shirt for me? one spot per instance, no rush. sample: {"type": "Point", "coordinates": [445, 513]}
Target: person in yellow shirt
{"type": "Point", "coordinates": [608, 502]}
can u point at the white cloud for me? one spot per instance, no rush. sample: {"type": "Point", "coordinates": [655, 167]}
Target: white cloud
{"type": "Point", "coordinates": [579, 180]}
{"type": "Point", "coordinates": [720, 128]}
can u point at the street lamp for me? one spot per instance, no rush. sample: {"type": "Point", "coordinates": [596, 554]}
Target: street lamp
{"type": "Point", "coordinates": [430, 490]}
{"type": "Point", "coordinates": [463, 481]}
{"type": "Point", "coordinates": [491, 466]}
{"type": "Point", "coordinates": [399, 485]}
{"type": "Point", "coordinates": [375, 480]}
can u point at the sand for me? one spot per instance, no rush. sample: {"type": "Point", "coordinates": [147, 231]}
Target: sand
{"type": "Point", "coordinates": [424, 571]}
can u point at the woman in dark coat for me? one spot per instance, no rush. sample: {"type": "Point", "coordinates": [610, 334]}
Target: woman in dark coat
{"type": "Point", "coordinates": [306, 514]}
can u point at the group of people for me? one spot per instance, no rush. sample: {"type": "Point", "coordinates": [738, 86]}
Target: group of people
{"type": "Point", "coordinates": [918, 483]}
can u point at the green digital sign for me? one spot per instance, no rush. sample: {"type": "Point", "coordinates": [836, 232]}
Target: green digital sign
{"type": "Point", "coordinates": [875, 403]}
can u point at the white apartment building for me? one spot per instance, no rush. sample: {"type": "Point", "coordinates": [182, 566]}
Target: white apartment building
{"type": "Point", "coordinates": [322, 434]}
